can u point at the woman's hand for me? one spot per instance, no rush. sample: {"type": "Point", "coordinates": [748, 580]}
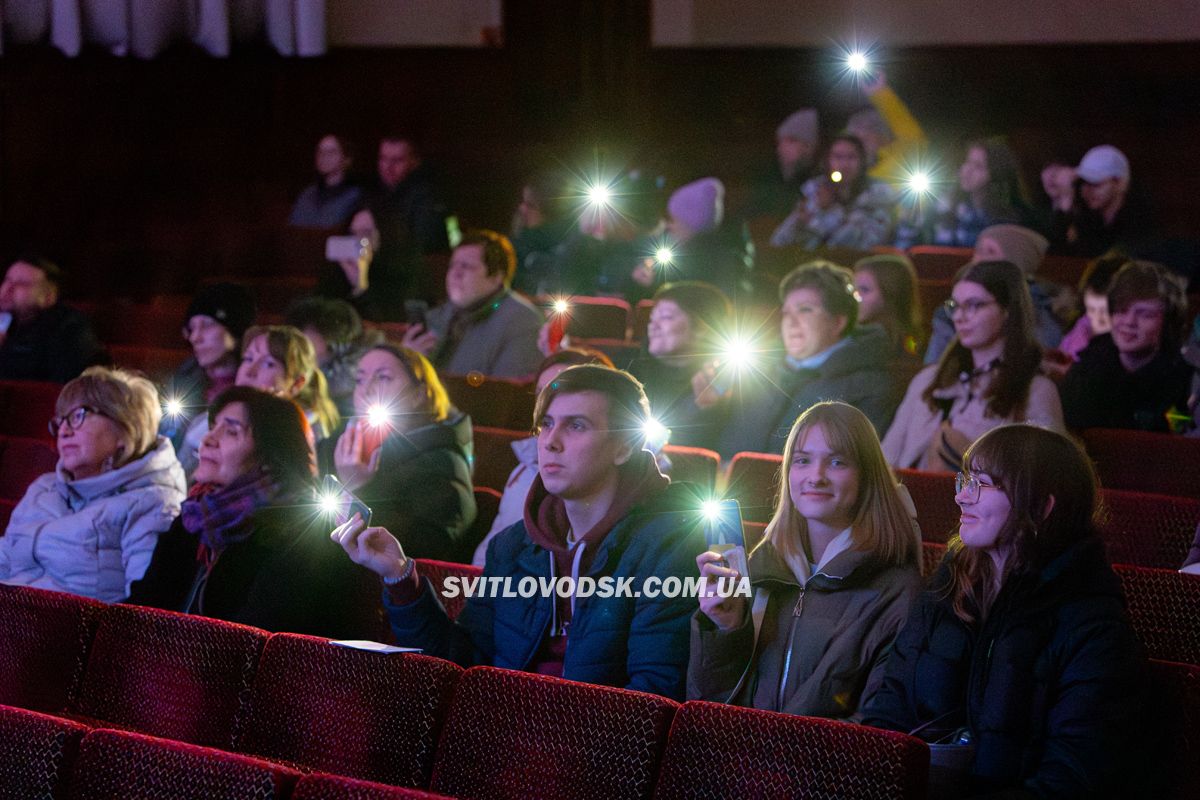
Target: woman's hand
{"type": "Point", "coordinates": [643, 273]}
{"type": "Point", "coordinates": [420, 338]}
{"type": "Point", "coordinates": [354, 467]}
{"type": "Point", "coordinates": [373, 548]}
{"type": "Point", "coordinates": [726, 613]}
{"type": "Point", "coordinates": [704, 392]}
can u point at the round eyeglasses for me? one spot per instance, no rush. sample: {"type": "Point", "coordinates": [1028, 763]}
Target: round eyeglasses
{"type": "Point", "coordinates": [971, 484]}
{"type": "Point", "coordinates": [73, 419]}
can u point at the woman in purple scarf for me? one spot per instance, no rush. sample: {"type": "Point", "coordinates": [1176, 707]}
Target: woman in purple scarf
{"type": "Point", "coordinates": [250, 545]}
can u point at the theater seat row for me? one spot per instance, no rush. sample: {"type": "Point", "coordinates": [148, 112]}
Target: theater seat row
{"type": "Point", "coordinates": [143, 694]}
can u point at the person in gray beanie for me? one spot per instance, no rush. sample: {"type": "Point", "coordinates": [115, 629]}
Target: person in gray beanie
{"type": "Point", "coordinates": [775, 188]}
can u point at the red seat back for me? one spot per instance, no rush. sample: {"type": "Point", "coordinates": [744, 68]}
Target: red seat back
{"type": "Point", "coordinates": [36, 753]}
{"type": "Point", "coordinates": [22, 461]}
{"type": "Point", "coordinates": [933, 495]}
{"type": "Point", "coordinates": [936, 263]}
{"type": "Point", "coordinates": [26, 407]}
{"type": "Point", "coordinates": [1149, 530]}
{"type": "Point", "coordinates": [168, 674]}
{"type": "Point", "coordinates": [116, 764]}
{"type": "Point", "coordinates": [932, 554]}
{"type": "Point", "coordinates": [493, 402]}
{"type": "Point", "coordinates": [932, 294]}
{"type": "Point", "coordinates": [1177, 718]}
{"type": "Point", "coordinates": [336, 787]}
{"type": "Point", "coordinates": [1064, 270]}
{"type": "Point", "coordinates": [1164, 607]}
{"type": "Point", "coordinates": [722, 751]}
{"type": "Point", "coordinates": [374, 716]}
{"type": "Point", "coordinates": [517, 735]}
{"type": "Point", "coordinates": [694, 465]}
{"type": "Point", "coordinates": [598, 317]}
{"type": "Point", "coordinates": [44, 639]}
{"type": "Point", "coordinates": [641, 320]}
{"type": "Point", "coordinates": [1145, 462]}
{"type": "Point", "coordinates": [754, 483]}
{"type": "Point", "coordinates": [494, 458]}
{"type": "Point", "coordinates": [438, 571]}
{"type": "Point", "coordinates": [156, 362]}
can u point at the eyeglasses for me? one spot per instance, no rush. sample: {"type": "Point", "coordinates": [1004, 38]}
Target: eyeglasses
{"type": "Point", "coordinates": [72, 419]}
{"type": "Point", "coordinates": [968, 307]}
{"type": "Point", "coordinates": [971, 484]}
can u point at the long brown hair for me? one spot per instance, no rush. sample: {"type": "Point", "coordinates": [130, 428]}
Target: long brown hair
{"type": "Point", "coordinates": [292, 348]}
{"type": "Point", "coordinates": [1030, 465]}
{"type": "Point", "coordinates": [897, 282]}
{"type": "Point", "coordinates": [1009, 389]}
{"type": "Point", "coordinates": [881, 521]}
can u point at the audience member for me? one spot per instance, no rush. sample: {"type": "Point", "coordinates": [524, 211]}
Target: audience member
{"type": "Point", "coordinates": [688, 323]}
{"type": "Point", "coordinates": [329, 202]}
{"type": "Point", "coordinates": [827, 356]}
{"type": "Point", "coordinates": [1021, 651]}
{"type": "Point", "coordinates": [797, 141]}
{"type": "Point", "coordinates": [890, 133]}
{"type": "Point", "coordinates": [843, 207]}
{"type": "Point", "coordinates": [89, 527]}
{"type": "Point", "coordinates": [280, 360]}
{"type": "Point", "coordinates": [541, 224]}
{"type": "Point", "coordinates": [843, 546]}
{"type": "Point", "coordinates": [379, 280]}
{"type": "Point", "coordinates": [213, 326]}
{"type": "Point", "coordinates": [599, 508]}
{"type": "Point", "coordinates": [337, 335]}
{"type": "Point", "coordinates": [1092, 207]}
{"type": "Point", "coordinates": [1134, 375]}
{"type": "Point", "coordinates": [484, 327]}
{"type": "Point", "coordinates": [41, 339]}
{"type": "Point", "coordinates": [1025, 248]}
{"type": "Point", "coordinates": [986, 377]}
{"type": "Point", "coordinates": [516, 489]}
{"type": "Point", "coordinates": [989, 192]}
{"type": "Point", "coordinates": [408, 454]}
{"type": "Point", "coordinates": [248, 546]}
{"type": "Point", "coordinates": [1093, 287]}
{"type": "Point", "coordinates": [405, 201]}
{"type": "Point", "coordinates": [887, 296]}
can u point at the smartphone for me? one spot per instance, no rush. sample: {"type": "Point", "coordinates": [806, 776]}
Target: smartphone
{"type": "Point", "coordinates": [723, 533]}
{"type": "Point", "coordinates": [342, 503]}
{"type": "Point", "coordinates": [415, 311]}
{"type": "Point", "coordinates": [342, 248]}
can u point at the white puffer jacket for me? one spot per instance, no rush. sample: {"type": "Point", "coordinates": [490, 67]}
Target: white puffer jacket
{"type": "Point", "coordinates": [93, 536]}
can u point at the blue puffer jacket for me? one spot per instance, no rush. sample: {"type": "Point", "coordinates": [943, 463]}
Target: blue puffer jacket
{"type": "Point", "coordinates": [1050, 685]}
{"type": "Point", "coordinates": [636, 642]}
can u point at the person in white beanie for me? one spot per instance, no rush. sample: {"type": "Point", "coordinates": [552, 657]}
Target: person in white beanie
{"type": "Point", "coordinates": [1091, 204]}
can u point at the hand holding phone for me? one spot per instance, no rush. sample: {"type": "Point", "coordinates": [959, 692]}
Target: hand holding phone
{"type": "Point", "coordinates": [342, 503]}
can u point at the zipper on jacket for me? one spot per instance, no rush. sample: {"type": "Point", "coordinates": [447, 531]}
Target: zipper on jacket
{"type": "Point", "coordinates": [797, 610]}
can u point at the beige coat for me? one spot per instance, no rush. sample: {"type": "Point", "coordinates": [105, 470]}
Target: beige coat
{"type": "Point", "coordinates": [908, 440]}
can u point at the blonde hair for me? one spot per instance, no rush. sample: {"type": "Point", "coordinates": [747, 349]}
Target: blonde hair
{"type": "Point", "coordinates": [292, 348]}
{"type": "Point", "coordinates": [126, 398]}
{"type": "Point", "coordinates": [434, 399]}
{"type": "Point", "coordinates": [881, 522]}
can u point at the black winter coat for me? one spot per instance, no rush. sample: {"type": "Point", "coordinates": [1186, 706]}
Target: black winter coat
{"type": "Point", "coordinates": [1050, 685]}
{"type": "Point", "coordinates": [1098, 392]}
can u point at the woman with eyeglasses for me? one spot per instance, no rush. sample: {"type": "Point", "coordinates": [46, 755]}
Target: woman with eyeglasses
{"type": "Point", "coordinates": [1020, 655]}
{"type": "Point", "coordinates": [832, 580]}
{"type": "Point", "coordinates": [252, 544]}
{"type": "Point", "coordinates": [988, 376]}
{"type": "Point", "coordinates": [90, 526]}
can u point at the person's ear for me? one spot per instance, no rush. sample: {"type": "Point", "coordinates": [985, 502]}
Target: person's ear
{"type": "Point", "coordinates": [842, 322]}
{"type": "Point", "coordinates": [624, 453]}
{"type": "Point", "coordinates": [1048, 507]}
{"type": "Point", "coordinates": [298, 385]}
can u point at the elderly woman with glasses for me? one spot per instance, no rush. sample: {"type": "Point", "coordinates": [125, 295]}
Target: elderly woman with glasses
{"type": "Point", "coordinates": [988, 376]}
{"type": "Point", "coordinates": [90, 526]}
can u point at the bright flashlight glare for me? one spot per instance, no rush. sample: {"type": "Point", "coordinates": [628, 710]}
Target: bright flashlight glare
{"type": "Point", "coordinates": [711, 509]}
{"type": "Point", "coordinates": [654, 430]}
{"type": "Point", "coordinates": [329, 503]}
{"type": "Point", "coordinates": [835, 176]}
{"type": "Point", "coordinates": [561, 306]}
{"type": "Point", "coordinates": [599, 195]}
{"type": "Point", "coordinates": [663, 255]}
{"type": "Point", "coordinates": [919, 182]}
{"type": "Point", "coordinates": [173, 407]}
{"type": "Point", "coordinates": [738, 352]}
{"type": "Point", "coordinates": [378, 415]}
{"type": "Point", "coordinates": [856, 61]}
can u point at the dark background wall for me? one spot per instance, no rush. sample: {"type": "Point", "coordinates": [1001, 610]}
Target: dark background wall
{"type": "Point", "coordinates": [139, 175]}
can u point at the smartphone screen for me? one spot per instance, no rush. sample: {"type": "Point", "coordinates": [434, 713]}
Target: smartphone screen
{"type": "Point", "coordinates": [341, 503]}
{"type": "Point", "coordinates": [342, 248]}
{"type": "Point", "coordinates": [724, 524]}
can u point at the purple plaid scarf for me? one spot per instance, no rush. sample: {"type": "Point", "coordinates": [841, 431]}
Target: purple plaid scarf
{"type": "Point", "coordinates": [221, 515]}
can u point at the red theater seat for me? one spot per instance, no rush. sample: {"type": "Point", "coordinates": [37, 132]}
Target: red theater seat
{"type": "Point", "coordinates": [595, 317]}
{"type": "Point", "coordinates": [155, 362]}
{"type": "Point", "coordinates": [694, 465]}
{"type": "Point", "coordinates": [754, 483]}
{"type": "Point", "coordinates": [494, 458]}
{"type": "Point", "coordinates": [937, 263]}
{"type": "Point", "coordinates": [26, 407]}
{"type": "Point", "coordinates": [1064, 270]}
{"type": "Point", "coordinates": [116, 765]}
{"type": "Point", "coordinates": [44, 639]}
{"type": "Point", "coordinates": [23, 460]}
{"type": "Point", "coordinates": [1164, 607]}
{"type": "Point", "coordinates": [933, 495]}
{"type": "Point", "coordinates": [336, 787]}
{"type": "Point", "coordinates": [36, 753]}
{"type": "Point", "coordinates": [438, 571]}
{"type": "Point", "coordinates": [932, 554]}
{"type": "Point", "coordinates": [491, 401]}
{"type": "Point", "coordinates": [168, 674]}
{"type": "Point", "coordinates": [721, 751]}
{"type": "Point", "coordinates": [1145, 462]}
{"type": "Point", "coordinates": [517, 735]}
{"type": "Point", "coordinates": [1149, 530]}
{"type": "Point", "coordinates": [374, 716]}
